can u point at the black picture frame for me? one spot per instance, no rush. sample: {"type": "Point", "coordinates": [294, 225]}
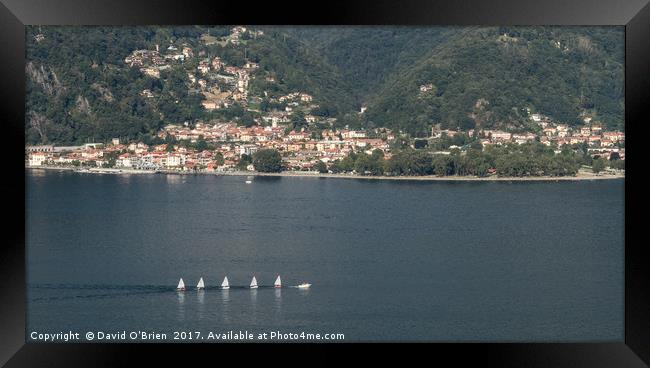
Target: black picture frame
{"type": "Point", "coordinates": [15, 14]}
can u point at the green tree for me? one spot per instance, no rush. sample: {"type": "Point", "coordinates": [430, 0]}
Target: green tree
{"type": "Point", "coordinates": [369, 164]}
{"type": "Point", "coordinates": [218, 159]}
{"type": "Point", "coordinates": [201, 144]}
{"type": "Point", "coordinates": [267, 160]}
{"type": "Point", "coordinates": [598, 165]}
{"type": "Point", "coordinates": [617, 164]}
{"type": "Point", "coordinates": [298, 120]}
{"type": "Point", "coordinates": [243, 162]}
{"type": "Point", "coordinates": [321, 167]}
{"type": "Point", "coordinates": [247, 119]}
{"type": "Point", "coordinates": [110, 158]}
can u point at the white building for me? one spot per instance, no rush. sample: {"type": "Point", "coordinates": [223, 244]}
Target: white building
{"type": "Point", "coordinates": [37, 158]}
{"type": "Point", "coordinates": [248, 149]}
{"type": "Point", "coordinates": [124, 161]}
{"type": "Point", "coordinates": [175, 160]}
{"type": "Point", "coordinates": [347, 134]}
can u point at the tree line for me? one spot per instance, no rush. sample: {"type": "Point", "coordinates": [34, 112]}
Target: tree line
{"type": "Point", "coordinates": [531, 159]}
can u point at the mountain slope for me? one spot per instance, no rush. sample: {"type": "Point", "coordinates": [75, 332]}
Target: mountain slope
{"type": "Point", "coordinates": [80, 89]}
{"type": "Point", "coordinates": [488, 76]}
{"type": "Point", "coordinates": [367, 56]}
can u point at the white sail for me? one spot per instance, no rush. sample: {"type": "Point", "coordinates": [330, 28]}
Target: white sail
{"type": "Point", "coordinates": [181, 285]}
{"type": "Point", "coordinates": [278, 282]}
{"type": "Point", "coordinates": [224, 284]}
{"type": "Point", "coordinates": [200, 285]}
{"type": "Point", "coordinates": [254, 283]}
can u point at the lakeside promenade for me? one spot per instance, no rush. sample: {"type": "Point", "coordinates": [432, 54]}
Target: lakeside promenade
{"type": "Point", "coordinates": [582, 175]}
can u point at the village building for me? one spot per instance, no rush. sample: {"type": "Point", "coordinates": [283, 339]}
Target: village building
{"type": "Point", "coordinates": [498, 135]}
{"type": "Point", "coordinates": [38, 158]}
{"type": "Point", "coordinates": [151, 71]}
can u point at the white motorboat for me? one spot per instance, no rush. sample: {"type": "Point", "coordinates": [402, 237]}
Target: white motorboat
{"type": "Point", "coordinates": [253, 283]}
{"type": "Point", "coordinates": [224, 284]}
{"type": "Point", "coordinates": [277, 283]}
{"type": "Point", "coordinates": [181, 285]}
{"type": "Point", "coordinates": [304, 285]}
{"type": "Point", "coordinates": [200, 285]}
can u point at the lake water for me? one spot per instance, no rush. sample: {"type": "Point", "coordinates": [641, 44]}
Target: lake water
{"type": "Point", "coordinates": [388, 260]}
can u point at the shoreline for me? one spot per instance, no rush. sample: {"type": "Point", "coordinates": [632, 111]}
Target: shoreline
{"type": "Point", "coordinates": [581, 176]}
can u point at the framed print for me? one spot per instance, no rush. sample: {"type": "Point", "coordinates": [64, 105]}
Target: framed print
{"type": "Point", "coordinates": [452, 178]}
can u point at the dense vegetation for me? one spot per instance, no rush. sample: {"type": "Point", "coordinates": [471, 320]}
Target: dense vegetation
{"type": "Point", "coordinates": [488, 77]}
{"type": "Point", "coordinates": [480, 76]}
{"type": "Point", "coordinates": [267, 161]}
{"type": "Point", "coordinates": [79, 88]}
{"type": "Point", "coordinates": [368, 56]}
{"type": "Point", "coordinates": [512, 160]}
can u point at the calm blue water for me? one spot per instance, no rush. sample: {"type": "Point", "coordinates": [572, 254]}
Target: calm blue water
{"type": "Point", "coordinates": [389, 261]}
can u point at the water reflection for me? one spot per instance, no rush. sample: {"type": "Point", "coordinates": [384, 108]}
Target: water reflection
{"type": "Point", "coordinates": [175, 179]}
{"type": "Point", "coordinates": [200, 298]}
{"type": "Point", "coordinates": [253, 314]}
{"type": "Point", "coordinates": [278, 300]}
{"type": "Point", "coordinates": [225, 296]}
{"type": "Point", "coordinates": [225, 303]}
{"type": "Point", "coordinates": [37, 172]}
{"type": "Point", "coordinates": [124, 179]}
{"type": "Point", "coordinates": [303, 292]}
{"type": "Point", "coordinates": [181, 305]}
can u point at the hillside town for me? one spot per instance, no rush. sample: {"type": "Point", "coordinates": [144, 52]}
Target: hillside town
{"type": "Point", "coordinates": [286, 124]}
{"type": "Point", "coordinates": [300, 150]}
{"type": "Point", "coordinates": [220, 84]}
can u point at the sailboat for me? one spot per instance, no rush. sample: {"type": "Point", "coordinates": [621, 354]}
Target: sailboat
{"type": "Point", "coordinates": [200, 285]}
{"type": "Point", "coordinates": [254, 283]}
{"type": "Point", "coordinates": [224, 284]}
{"type": "Point", "coordinates": [277, 283]}
{"type": "Point", "coordinates": [181, 285]}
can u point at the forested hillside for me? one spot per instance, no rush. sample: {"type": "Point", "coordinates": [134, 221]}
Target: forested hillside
{"type": "Point", "coordinates": [80, 88]}
{"type": "Point", "coordinates": [369, 56]}
{"type": "Point", "coordinates": [492, 77]}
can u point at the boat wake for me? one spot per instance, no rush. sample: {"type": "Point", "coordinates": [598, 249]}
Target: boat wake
{"type": "Point", "coordinates": [84, 291]}
{"type": "Point", "coordinates": [69, 291]}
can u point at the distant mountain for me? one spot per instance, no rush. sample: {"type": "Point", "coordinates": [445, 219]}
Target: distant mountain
{"type": "Point", "coordinates": [490, 77]}
{"type": "Point", "coordinates": [80, 88]}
